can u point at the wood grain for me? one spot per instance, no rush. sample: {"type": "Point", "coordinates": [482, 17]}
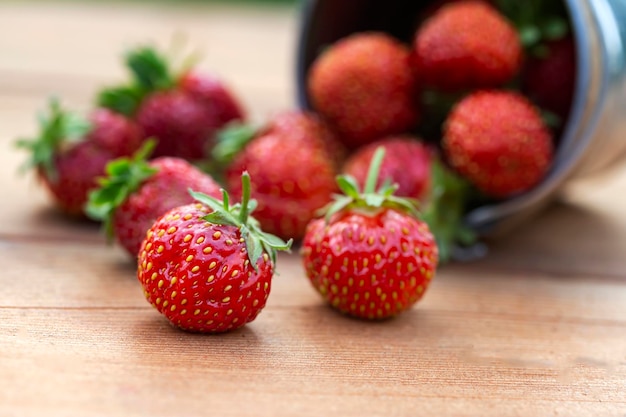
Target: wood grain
{"type": "Point", "coordinates": [538, 328]}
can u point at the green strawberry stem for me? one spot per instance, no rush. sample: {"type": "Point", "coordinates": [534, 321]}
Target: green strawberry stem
{"type": "Point", "coordinates": [123, 177]}
{"type": "Point", "coordinates": [446, 209]}
{"type": "Point", "coordinates": [238, 215]}
{"type": "Point", "coordinates": [56, 129]}
{"type": "Point", "coordinates": [369, 199]}
{"type": "Point", "coordinates": [245, 198]}
{"type": "Point", "coordinates": [373, 171]}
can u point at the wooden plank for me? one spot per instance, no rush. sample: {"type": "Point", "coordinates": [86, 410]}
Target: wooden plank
{"type": "Point", "coordinates": [307, 361]}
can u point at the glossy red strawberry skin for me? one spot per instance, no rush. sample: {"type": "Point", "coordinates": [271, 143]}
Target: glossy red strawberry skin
{"type": "Point", "coordinates": [365, 86]}
{"type": "Point", "coordinates": [211, 91]}
{"type": "Point", "coordinates": [293, 174]}
{"type": "Point", "coordinates": [198, 275]}
{"type": "Point", "coordinates": [370, 266]}
{"type": "Point", "coordinates": [407, 163]}
{"type": "Point", "coordinates": [466, 45]}
{"type": "Point", "coordinates": [310, 129]}
{"type": "Point", "coordinates": [76, 170]}
{"type": "Point", "coordinates": [166, 189]}
{"type": "Point", "coordinates": [499, 142]}
{"type": "Point", "coordinates": [115, 133]}
{"type": "Point", "coordinates": [182, 125]}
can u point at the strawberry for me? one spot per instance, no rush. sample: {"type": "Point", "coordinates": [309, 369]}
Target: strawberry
{"type": "Point", "coordinates": [407, 163]}
{"type": "Point", "coordinates": [466, 45]}
{"type": "Point", "coordinates": [115, 133]}
{"type": "Point", "coordinates": [183, 111]}
{"type": "Point", "coordinates": [499, 142]}
{"type": "Point", "coordinates": [207, 267]}
{"type": "Point", "coordinates": [182, 125]}
{"type": "Point", "coordinates": [371, 256]}
{"type": "Point", "coordinates": [70, 153]}
{"type": "Point", "coordinates": [292, 168]}
{"type": "Point", "coordinates": [136, 192]}
{"type": "Point", "coordinates": [365, 86]}
{"type": "Point", "coordinates": [212, 91]}
{"type": "Point", "coordinates": [548, 79]}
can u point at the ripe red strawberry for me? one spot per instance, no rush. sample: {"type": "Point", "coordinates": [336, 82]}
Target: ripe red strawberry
{"type": "Point", "coordinates": [182, 124]}
{"type": "Point", "coordinates": [115, 133]}
{"type": "Point", "coordinates": [293, 172]}
{"type": "Point", "coordinates": [136, 192]}
{"type": "Point", "coordinates": [467, 45]}
{"type": "Point", "coordinates": [183, 111]}
{"type": "Point", "coordinates": [407, 164]}
{"type": "Point", "coordinates": [549, 79]}
{"type": "Point", "coordinates": [207, 267]}
{"type": "Point", "coordinates": [370, 257]}
{"type": "Point", "coordinates": [214, 93]}
{"type": "Point", "coordinates": [307, 127]}
{"type": "Point", "coordinates": [499, 142]}
{"type": "Point", "coordinates": [70, 153]}
{"type": "Point", "coordinates": [365, 86]}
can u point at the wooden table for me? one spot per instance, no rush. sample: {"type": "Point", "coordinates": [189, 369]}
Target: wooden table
{"type": "Point", "coordinates": [536, 329]}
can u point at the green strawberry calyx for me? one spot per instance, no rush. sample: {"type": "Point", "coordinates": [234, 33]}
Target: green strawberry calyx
{"type": "Point", "coordinates": [150, 70]}
{"type": "Point", "coordinates": [536, 21]}
{"type": "Point", "coordinates": [230, 141]}
{"type": "Point", "coordinates": [123, 177]}
{"type": "Point", "coordinates": [238, 215]}
{"type": "Point", "coordinates": [369, 199]}
{"type": "Point", "coordinates": [444, 213]}
{"type": "Point", "coordinates": [57, 129]}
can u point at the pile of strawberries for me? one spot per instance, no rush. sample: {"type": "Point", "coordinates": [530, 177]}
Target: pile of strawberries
{"type": "Point", "coordinates": [372, 182]}
{"type": "Point", "coordinates": [469, 110]}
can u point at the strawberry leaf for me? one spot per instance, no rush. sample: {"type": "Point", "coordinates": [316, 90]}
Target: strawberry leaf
{"type": "Point", "coordinates": [537, 21]}
{"type": "Point", "coordinates": [445, 210]}
{"type": "Point", "coordinates": [369, 199]}
{"type": "Point", "coordinates": [124, 99]}
{"type": "Point", "coordinates": [341, 202]}
{"type": "Point", "coordinates": [209, 201]}
{"type": "Point", "coordinates": [221, 217]}
{"type": "Point", "coordinates": [348, 185]}
{"type": "Point", "coordinates": [149, 69]}
{"type": "Point", "coordinates": [231, 140]}
{"type": "Point", "coordinates": [254, 245]}
{"type": "Point", "coordinates": [238, 215]}
{"type": "Point", "coordinates": [57, 128]}
{"type": "Point", "coordinates": [123, 177]}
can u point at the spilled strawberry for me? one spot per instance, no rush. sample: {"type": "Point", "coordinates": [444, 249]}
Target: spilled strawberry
{"type": "Point", "coordinates": [407, 164]}
{"type": "Point", "coordinates": [365, 87]}
{"type": "Point", "coordinates": [135, 192]}
{"type": "Point", "coordinates": [293, 164]}
{"type": "Point", "coordinates": [499, 142]}
{"type": "Point", "coordinates": [207, 266]}
{"type": "Point", "coordinates": [466, 45]}
{"type": "Point", "coordinates": [71, 152]}
{"type": "Point", "coordinates": [182, 109]}
{"type": "Point", "coordinates": [371, 256]}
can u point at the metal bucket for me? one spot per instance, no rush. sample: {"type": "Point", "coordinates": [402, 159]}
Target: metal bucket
{"type": "Point", "coordinates": [594, 138]}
